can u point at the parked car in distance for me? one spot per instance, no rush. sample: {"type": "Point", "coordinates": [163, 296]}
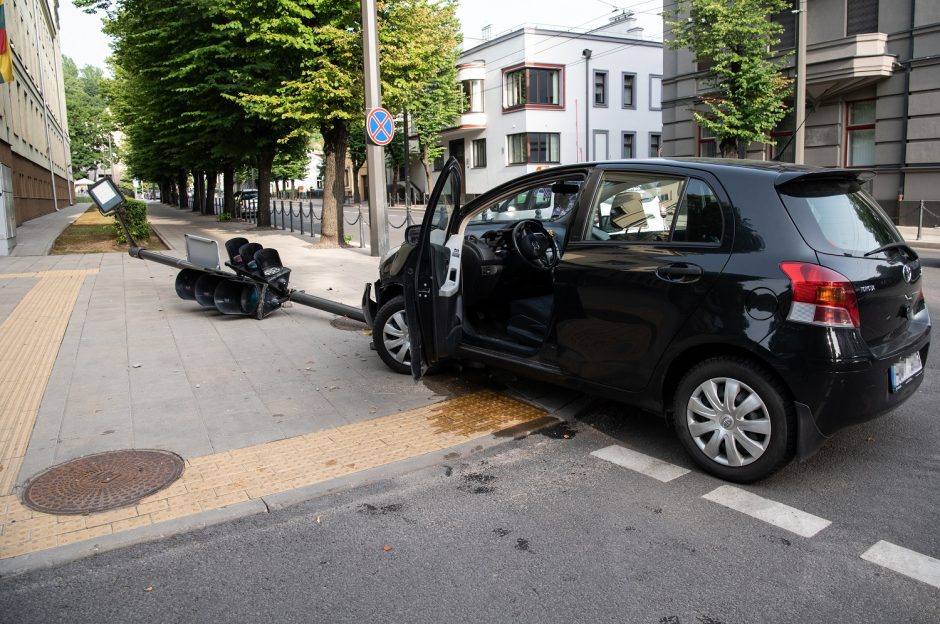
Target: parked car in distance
{"type": "Point", "coordinates": [760, 307]}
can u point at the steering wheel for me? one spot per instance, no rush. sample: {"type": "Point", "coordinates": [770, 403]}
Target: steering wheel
{"type": "Point", "coordinates": [535, 245]}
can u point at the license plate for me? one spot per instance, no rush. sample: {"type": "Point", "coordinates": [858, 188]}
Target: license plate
{"type": "Point", "coordinates": [904, 371]}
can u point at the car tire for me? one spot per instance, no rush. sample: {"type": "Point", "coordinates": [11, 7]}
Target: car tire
{"type": "Point", "coordinates": [750, 439]}
{"type": "Point", "coordinates": [390, 336]}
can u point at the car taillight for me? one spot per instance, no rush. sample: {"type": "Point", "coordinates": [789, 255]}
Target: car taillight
{"type": "Point", "coordinates": [821, 296]}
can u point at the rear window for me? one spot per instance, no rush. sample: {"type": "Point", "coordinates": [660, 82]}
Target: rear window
{"type": "Point", "coordinates": [835, 217]}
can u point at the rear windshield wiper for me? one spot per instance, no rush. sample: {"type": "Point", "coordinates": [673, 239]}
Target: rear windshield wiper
{"type": "Point", "coordinates": [902, 246]}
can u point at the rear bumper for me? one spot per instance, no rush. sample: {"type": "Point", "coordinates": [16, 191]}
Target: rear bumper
{"type": "Point", "coordinates": [838, 398]}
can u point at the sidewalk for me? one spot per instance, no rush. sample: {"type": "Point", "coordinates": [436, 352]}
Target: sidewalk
{"type": "Point", "coordinates": [98, 353]}
{"type": "Point", "coordinates": [930, 237]}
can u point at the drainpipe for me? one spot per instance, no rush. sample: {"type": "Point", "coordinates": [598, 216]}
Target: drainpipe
{"type": "Point", "coordinates": [905, 111]}
{"type": "Point", "coordinates": [586, 53]}
{"type": "Point", "coordinates": [800, 95]}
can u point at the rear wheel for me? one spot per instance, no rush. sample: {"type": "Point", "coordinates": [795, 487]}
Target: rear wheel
{"type": "Point", "coordinates": [732, 416]}
{"type": "Point", "coordinates": [390, 336]}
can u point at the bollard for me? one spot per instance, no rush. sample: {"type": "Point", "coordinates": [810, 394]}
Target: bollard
{"type": "Point", "coordinates": [290, 206]}
{"type": "Point", "coordinates": [920, 220]}
{"type": "Point", "coordinates": [361, 243]}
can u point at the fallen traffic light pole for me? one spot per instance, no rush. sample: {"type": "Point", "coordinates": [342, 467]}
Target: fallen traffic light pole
{"type": "Point", "coordinates": [256, 286]}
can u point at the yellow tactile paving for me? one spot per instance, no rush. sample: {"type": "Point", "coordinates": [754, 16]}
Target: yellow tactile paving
{"type": "Point", "coordinates": [29, 342]}
{"type": "Point", "coordinates": [222, 479]}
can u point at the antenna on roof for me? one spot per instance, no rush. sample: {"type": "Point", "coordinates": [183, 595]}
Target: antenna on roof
{"type": "Point", "coordinates": [487, 32]}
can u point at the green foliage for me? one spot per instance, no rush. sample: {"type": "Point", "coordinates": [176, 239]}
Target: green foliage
{"type": "Point", "coordinates": [224, 216]}
{"type": "Point", "coordinates": [746, 99]}
{"type": "Point", "coordinates": [136, 215]}
{"type": "Point", "coordinates": [89, 119]}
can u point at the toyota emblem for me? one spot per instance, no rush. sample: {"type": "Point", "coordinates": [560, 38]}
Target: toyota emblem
{"type": "Point", "coordinates": [907, 273]}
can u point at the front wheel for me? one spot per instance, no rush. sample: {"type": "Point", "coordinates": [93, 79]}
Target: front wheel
{"type": "Point", "coordinates": [390, 336]}
{"type": "Point", "coordinates": [732, 417]}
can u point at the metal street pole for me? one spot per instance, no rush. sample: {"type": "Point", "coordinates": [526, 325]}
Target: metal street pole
{"type": "Point", "coordinates": [404, 127]}
{"type": "Point", "coordinates": [586, 53]}
{"type": "Point", "coordinates": [375, 154]}
{"type": "Point", "coordinates": [799, 142]}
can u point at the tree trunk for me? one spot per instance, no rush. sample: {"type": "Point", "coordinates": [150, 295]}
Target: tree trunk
{"type": "Point", "coordinates": [228, 190]}
{"type": "Point", "coordinates": [197, 193]}
{"type": "Point", "coordinates": [265, 162]}
{"type": "Point", "coordinates": [277, 188]}
{"type": "Point", "coordinates": [211, 179]}
{"type": "Point", "coordinates": [183, 195]}
{"type": "Point", "coordinates": [334, 155]}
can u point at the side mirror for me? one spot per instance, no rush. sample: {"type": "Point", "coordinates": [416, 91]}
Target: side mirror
{"type": "Point", "coordinates": [106, 195]}
{"type": "Point", "coordinates": [413, 234]}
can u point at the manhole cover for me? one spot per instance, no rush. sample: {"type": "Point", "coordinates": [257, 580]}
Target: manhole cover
{"type": "Point", "coordinates": [348, 324]}
{"type": "Point", "coordinates": [102, 481]}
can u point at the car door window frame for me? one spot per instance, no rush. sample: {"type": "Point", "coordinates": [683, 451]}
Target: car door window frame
{"type": "Point", "coordinates": [581, 225]}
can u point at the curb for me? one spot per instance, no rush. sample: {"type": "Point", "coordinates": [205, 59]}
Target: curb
{"type": "Point", "coordinates": [66, 554]}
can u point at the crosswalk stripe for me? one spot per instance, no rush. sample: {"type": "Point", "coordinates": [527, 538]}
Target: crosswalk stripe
{"type": "Point", "coordinates": [769, 511]}
{"type": "Point", "coordinates": [644, 464]}
{"type": "Point", "coordinates": [905, 561]}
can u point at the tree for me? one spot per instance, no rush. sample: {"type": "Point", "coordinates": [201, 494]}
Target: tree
{"type": "Point", "coordinates": [746, 100]}
{"type": "Point", "coordinates": [421, 76]}
{"type": "Point", "coordinates": [90, 123]}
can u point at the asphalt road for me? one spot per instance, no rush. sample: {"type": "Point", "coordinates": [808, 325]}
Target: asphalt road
{"type": "Point", "coordinates": [540, 530]}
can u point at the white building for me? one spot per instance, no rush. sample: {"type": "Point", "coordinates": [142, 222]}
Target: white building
{"type": "Point", "coordinates": [537, 100]}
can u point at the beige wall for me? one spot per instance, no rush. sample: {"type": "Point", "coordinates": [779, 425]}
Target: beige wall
{"type": "Point", "coordinates": [24, 145]}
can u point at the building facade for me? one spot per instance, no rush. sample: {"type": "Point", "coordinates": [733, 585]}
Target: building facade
{"type": "Point", "coordinates": [539, 98]}
{"type": "Point", "coordinates": [873, 97]}
{"type": "Point", "coordinates": [33, 129]}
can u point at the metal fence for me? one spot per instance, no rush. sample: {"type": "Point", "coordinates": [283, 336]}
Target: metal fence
{"type": "Point", "coordinates": [299, 216]}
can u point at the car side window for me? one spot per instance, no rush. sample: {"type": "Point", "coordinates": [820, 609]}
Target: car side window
{"type": "Point", "coordinates": [699, 219]}
{"type": "Point", "coordinates": [635, 206]}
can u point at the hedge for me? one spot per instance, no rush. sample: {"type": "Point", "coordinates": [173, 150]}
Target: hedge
{"type": "Point", "coordinates": [136, 212]}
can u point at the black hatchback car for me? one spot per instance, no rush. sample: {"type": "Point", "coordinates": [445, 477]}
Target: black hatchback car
{"type": "Point", "coordinates": [759, 306]}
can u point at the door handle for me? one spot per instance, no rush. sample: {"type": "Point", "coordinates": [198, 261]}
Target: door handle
{"type": "Point", "coordinates": [679, 272]}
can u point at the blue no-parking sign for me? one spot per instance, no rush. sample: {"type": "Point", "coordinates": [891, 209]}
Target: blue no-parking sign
{"type": "Point", "coordinates": [380, 128]}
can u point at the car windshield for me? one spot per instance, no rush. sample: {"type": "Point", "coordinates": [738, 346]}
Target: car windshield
{"type": "Point", "coordinates": [548, 202]}
{"type": "Point", "coordinates": [838, 218]}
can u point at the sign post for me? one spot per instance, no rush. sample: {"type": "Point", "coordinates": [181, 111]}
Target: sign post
{"type": "Point", "coordinates": [380, 136]}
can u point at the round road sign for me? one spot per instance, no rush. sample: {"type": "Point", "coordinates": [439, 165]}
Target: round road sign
{"type": "Point", "coordinates": [379, 126]}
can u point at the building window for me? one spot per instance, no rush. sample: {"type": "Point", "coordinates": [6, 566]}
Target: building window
{"type": "Point", "coordinates": [860, 134]}
{"type": "Point", "coordinates": [629, 90]}
{"type": "Point", "coordinates": [782, 136]}
{"type": "Point", "coordinates": [478, 148]}
{"type": "Point", "coordinates": [707, 143]}
{"type": "Point", "coordinates": [628, 142]}
{"type": "Point", "coordinates": [532, 86]}
{"type": "Point", "coordinates": [534, 147]}
{"type": "Point", "coordinates": [439, 161]}
{"type": "Point", "coordinates": [787, 20]}
{"type": "Point", "coordinates": [600, 88]}
{"type": "Point", "coordinates": [656, 140]}
{"type": "Point", "coordinates": [861, 16]}
{"type": "Point", "coordinates": [473, 96]}
{"type": "Point", "coordinates": [656, 92]}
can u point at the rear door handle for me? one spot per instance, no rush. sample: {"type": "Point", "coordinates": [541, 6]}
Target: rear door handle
{"type": "Point", "coordinates": [679, 272]}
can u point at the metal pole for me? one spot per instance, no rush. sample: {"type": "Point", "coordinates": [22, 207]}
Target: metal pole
{"type": "Point", "coordinates": [586, 53]}
{"type": "Point", "coordinates": [375, 155]}
{"type": "Point", "coordinates": [800, 95]}
{"type": "Point", "coordinates": [920, 220]}
{"type": "Point", "coordinates": [361, 242]}
{"type": "Point", "coordinates": [405, 142]}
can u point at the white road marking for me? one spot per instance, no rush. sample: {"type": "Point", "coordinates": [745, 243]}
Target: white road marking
{"type": "Point", "coordinates": [905, 561]}
{"type": "Point", "coordinates": [772, 512]}
{"type": "Point", "coordinates": [644, 464]}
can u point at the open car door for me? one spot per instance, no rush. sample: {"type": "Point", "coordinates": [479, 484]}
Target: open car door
{"type": "Point", "coordinates": [432, 276]}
